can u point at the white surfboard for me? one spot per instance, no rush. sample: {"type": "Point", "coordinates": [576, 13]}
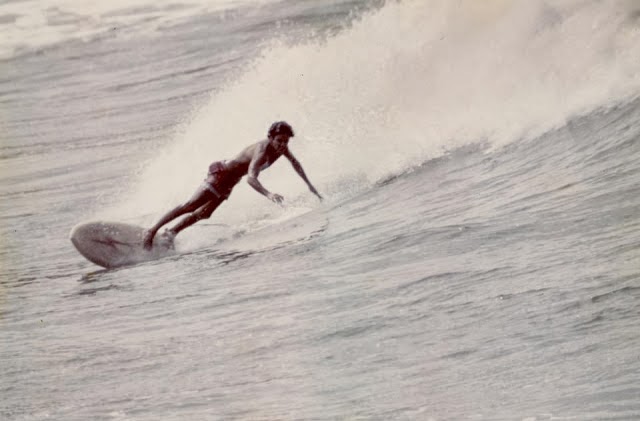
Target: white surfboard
{"type": "Point", "coordinates": [115, 244]}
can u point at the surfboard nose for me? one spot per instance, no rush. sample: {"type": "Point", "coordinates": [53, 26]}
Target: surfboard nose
{"type": "Point", "coordinates": [81, 231]}
{"type": "Point", "coordinates": [85, 235]}
{"type": "Point", "coordinates": [114, 244]}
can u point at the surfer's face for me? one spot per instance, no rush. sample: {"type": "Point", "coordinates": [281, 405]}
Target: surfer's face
{"type": "Point", "coordinates": [280, 141]}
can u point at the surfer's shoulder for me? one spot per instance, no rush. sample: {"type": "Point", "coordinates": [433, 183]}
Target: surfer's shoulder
{"type": "Point", "coordinates": [247, 153]}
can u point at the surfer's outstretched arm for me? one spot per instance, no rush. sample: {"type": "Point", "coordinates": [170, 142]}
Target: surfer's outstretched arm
{"type": "Point", "coordinates": [298, 167]}
{"type": "Point", "coordinates": [259, 158]}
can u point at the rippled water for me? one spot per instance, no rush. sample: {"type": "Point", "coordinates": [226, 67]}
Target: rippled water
{"type": "Point", "coordinates": [477, 255]}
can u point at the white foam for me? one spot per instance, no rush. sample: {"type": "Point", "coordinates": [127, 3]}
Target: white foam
{"type": "Point", "coordinates": [405, 83]}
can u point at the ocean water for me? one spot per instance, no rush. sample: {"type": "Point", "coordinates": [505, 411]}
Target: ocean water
{"type": "Point", "coordinates": [476, 257]}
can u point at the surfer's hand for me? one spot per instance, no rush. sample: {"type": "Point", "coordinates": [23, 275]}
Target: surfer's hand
{"type": "Point", "coordinates": [275, 198]}
{"type": "Point", "coordinates": [314, 191]}
{"type": "Point", "coordinates": [147, 240]}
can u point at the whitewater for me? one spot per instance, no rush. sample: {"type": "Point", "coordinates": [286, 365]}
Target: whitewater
{"type": "Point", "coordinates": [476, 257]}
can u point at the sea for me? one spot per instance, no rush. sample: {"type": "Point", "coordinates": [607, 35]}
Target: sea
{"type": "Point", "coordinates": [476, 255]}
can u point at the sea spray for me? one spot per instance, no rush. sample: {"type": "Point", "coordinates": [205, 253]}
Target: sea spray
{"type": "Point", "coordinates": [402, 84]}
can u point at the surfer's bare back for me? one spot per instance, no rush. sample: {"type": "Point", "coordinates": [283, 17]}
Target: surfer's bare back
{"type": "Point", "coordinates": [224, 175]}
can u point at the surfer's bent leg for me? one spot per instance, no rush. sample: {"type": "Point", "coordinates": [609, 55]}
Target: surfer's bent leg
{"type": "Point", "coordinates": [201, 197]}
{"type": "Point", "coordinates": [203, 213]}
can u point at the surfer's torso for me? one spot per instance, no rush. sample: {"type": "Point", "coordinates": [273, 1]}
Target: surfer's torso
{"type": "Point", "coordinates": [224, 175]}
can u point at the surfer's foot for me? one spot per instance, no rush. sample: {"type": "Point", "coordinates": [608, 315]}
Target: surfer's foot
{"type": "Point", "coordinates": [147, 240]}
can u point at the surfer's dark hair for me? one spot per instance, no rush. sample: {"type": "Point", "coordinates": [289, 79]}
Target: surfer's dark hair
{"type": "Point", "coordinates": [280, 127]}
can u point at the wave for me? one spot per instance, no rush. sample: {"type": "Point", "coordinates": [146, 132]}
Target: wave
{"type": "Point", "coordinates": [400, 85]}
{"type": "Point", "coordinates": [33, 25]}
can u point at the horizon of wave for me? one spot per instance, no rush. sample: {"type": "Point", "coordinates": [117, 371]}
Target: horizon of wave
{"type": "Point", "coordinates": [31, 25]}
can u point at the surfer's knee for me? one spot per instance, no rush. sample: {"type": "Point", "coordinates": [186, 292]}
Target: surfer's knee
{"type": "Point", "coordinates": [207, 210]}
{"type": "Point", "coordinates": [204, 214]}
{"type": "Point", "coordinates": [189, 206]}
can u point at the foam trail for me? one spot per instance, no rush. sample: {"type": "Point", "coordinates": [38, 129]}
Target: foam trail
{"type": "Point", "coordinates": [405, 83]}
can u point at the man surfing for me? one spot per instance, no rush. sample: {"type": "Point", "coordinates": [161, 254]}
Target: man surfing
{"type": "Point", "coordinates": [224, 175]}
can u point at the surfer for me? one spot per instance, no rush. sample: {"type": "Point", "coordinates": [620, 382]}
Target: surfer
{"type": "Point", "coordinates": [224, 175]}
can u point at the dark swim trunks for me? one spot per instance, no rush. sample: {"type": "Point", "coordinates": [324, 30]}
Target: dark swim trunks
{"type": "Point", "coordinates": [223, 180]}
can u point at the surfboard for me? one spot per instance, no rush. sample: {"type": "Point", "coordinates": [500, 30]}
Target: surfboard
{"type": "Point", "coordinates": [116, 244]}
